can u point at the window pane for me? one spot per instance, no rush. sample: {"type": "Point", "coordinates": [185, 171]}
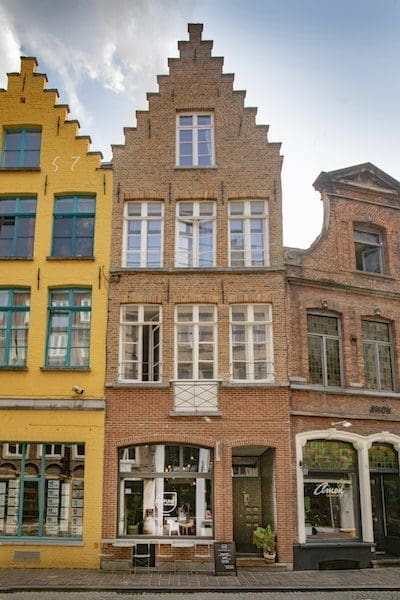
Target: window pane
{"type": "Point", "coordinates": [385, 364]}
{"type": "Point", "coordinates": [323, 325]}
{"type": "Point", "coordinates": [13, 140]}
{"type": "Point", "coordinates": [315, 359]}
{"type": "Point", "coordinates": [332, 362]}
{"type": "Point", "coordinates": [185, 120]}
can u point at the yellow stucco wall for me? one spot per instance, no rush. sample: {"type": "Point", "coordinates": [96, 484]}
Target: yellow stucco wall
{"type": "Point", "coordinates": [66, 167]}
{"type": "Point", "coordinates": [62, 426]}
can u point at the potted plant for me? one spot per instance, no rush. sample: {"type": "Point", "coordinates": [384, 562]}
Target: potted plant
{"type": "Point", "coordinates": [264, 538]}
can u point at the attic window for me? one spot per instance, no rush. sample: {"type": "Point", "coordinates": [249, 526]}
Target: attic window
{"type": "Point", "coordinates": [368, 245]}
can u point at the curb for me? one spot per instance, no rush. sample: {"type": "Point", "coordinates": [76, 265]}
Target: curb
{"type": "Point", "coordinates": [193, 590]}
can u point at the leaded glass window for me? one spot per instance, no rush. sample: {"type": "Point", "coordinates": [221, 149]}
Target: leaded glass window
{"type": "Point", "coordinates": [324, 350]}
{"type": "Point", "coordinates": [383, 457]}
{"type": "Point", "coordinates": [378, 355]}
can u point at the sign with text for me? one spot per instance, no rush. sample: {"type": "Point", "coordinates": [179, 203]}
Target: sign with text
{"type": "Point", "coordinates": [225, 558]}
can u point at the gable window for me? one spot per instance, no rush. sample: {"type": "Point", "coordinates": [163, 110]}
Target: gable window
{"type": "Point", "coordinates": [14, 323]}
{"type": "Point", "coordinates": [143, 234]}
{"type": "Point", "coordinates": [248, 233]}
{"type": "Point", "coordinates": [196, 333]}
{"type": "Point", "coordinates": [41, 493]}
{"type": "Point", "coordinates": [195, 234]}
{"type": "Point", "coordinates": [378, 355]}
{"type": "Point", "coordinates": [324, 348]}
{"type": "Point", "coordinates": [73, 227]}
{"type": "Point", "coordinates": [21, 148]}
{"type": "Point", "coordinates": [251, 342]}
{"type": "Point", "coordinates": [17, 226]}
{"type": "Point", "coordinates": [140, 341]}
{"type": "Point", "coordinates": [368, 245]}
{"type": "Point", "coordinates": [195, 140]}
{"type": "Point", "coordinates": [69, 328]}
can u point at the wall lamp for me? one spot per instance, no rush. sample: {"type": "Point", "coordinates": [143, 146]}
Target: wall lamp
{"type": "Point", "coordinates": [343, 423]}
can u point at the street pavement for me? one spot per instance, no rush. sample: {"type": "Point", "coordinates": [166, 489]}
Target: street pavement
{"type": "Point", "coordinates": [20, 581]}
{"type": "Point", "coordinates": [353, 595]}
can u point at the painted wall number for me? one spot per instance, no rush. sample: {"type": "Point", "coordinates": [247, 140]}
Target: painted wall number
{"type": "Point", "coordinates": [74, 161]}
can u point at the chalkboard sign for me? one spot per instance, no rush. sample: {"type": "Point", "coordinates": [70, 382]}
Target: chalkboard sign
{"type": "Point", "coordinates": [225, 558]}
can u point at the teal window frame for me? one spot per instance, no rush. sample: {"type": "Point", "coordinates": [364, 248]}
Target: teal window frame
{"type": "Point", "coordinates": [18, 215]}
{"type": "Point", "coordinates": [40, 480]}
{"type": "Point", "coordinates": [67, 313]}
{"type": "Point", "coordinates": [9, 329]}
{"type": "Point", "coordinates": [76, 216]}
{"type": "Point", "coordinates": [22, 152]}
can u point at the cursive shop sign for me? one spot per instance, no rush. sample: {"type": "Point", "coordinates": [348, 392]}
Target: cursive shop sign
{"type": "Point", "coordinates": [167, 501]}
{"type": "Point", "coordinates": [327, 489]}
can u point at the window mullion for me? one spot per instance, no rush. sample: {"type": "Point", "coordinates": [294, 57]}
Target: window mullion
{"type": "Point", "coordinates": [378, 366]}
{"type": "Point", "coordinates": [247, 242]}
{"type": "Point", "coordinates": [143, 242]}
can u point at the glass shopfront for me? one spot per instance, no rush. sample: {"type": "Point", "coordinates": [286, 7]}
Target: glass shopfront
{"type": "Point", "coordinates": [41, 489]}
{"type": "Point", "coordinates": [165, 490]}
{"type": "Point", "coordinates": [331, 493]}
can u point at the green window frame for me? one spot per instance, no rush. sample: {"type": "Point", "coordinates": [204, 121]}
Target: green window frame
{"type": "Point", "coordinates": [14, 325]}
{"type": "Point", "coordinates": [17, 226]}
{"type": "Point", "coordinates": [68, 337]}
{"type": "Point", "coordinates": [41, 495]}
{"type": "Point", "coordinates": [21, 147]}
{"type": "Point", "coordinates": [73, 225]}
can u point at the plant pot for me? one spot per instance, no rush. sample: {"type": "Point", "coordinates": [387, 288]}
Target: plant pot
{"type": "Point", "coordinates": [133, 529]}
{"type": "Point", "coordinates": [269, 557]}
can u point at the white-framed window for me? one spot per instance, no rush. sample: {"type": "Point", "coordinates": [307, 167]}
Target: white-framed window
{"type": "Point", "coordinates": [195, 139]}
{"type": "Point", "coordinates": [195, 341]}
{"type": "Point", "coordinates": [195, 234]}
{"type": "Point", "coordinates": [140, 343]}
{"type": "Point", "coordinates": [51, 450]}
{"type": "Point", "coordinates": [368, 245]}
{"type": "Point", "coordinates": [251, 342]}
{"type": "Point", "coordinates": [78, 451]}
{"type": "Point", "coordinates": [248, 233]}
{"type": "Point", "coordinates": [143, 235]}
{"type": "Point", "coordinates": [12, 449]}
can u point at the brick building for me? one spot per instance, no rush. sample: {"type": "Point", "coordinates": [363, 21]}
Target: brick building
{"type": "Point", "coordinates": [197, 421]}
{"type": "Point", "coordinates": [343, 307]}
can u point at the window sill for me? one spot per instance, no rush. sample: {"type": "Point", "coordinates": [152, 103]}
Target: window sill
{"type": "Point", "coordinates": [63, 258]}
{"type": "Point", "coordinates": [5, 258]}
{"type": "Point", "coordinates": [346, 391]}
{"type": "Point", "coordinates": [377, 275]}
{"type": "Point", "coordinates": [20, 169]}
{"type": "Point", "coordinates": [4, 541]}
{"type": "Point", "coordinates": [51, 369]}
{"type": "Point", "coordinates": [136, 384]}
{"type": "Point", "coordinates": [11, 368]}
{"type": "Point", "coordinates": [194, 413]}
{"type": "Point", "coordinates": [194, 167]}
{"type": "Point", "coordinates": [232, 384]}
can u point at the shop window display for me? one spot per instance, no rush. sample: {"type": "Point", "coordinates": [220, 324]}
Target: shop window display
{"type": "Point", "coordinates": [41, 494]}
{"type": "Point", "coordinates": [331, 496]}
{"type": "Point", "coordinates": [165, 490]}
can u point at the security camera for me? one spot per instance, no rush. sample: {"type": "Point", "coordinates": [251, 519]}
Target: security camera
{"type": "Point", "coordinates": [77, 389]}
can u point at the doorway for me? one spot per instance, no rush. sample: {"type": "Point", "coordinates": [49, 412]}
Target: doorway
{"type": "Point", "coordinates": [385, 496]}
{"type": "Point", "coordinates": [253, 494]}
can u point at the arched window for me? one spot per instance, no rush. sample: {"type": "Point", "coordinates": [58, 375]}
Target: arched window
{"type": "Point", "coordinates": [331, 496]}
{"type": "Point", "coordinates": [165, 490]}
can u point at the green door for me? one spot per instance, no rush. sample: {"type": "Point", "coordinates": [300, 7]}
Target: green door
{"type": "Point", "coordinates": [246, 512]}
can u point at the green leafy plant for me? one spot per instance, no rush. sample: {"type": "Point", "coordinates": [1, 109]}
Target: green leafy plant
{"type": "Point", "coordinates": [264, 538]}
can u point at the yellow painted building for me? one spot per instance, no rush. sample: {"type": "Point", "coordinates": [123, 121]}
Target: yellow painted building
{"type": "Point", "coordinates": [55, 203]}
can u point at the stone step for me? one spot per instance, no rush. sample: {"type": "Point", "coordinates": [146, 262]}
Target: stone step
{"type": "Point", "coordinates": [385, 562]}
{"type": "Point", "coordinates": [257, 563]}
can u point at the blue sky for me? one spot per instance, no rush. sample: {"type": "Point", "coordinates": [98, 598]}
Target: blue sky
{"type": "Point", "coordinates": [324, 74]}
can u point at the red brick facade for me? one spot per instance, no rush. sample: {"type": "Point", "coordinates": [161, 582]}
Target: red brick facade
{"type": "Point", "coordinates": [247, 167]}
{"type": "Point", "coordinates": [327, 280]}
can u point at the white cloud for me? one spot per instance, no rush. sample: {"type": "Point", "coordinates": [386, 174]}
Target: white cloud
{"type": "Point", "coordinates": [10, 49]}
